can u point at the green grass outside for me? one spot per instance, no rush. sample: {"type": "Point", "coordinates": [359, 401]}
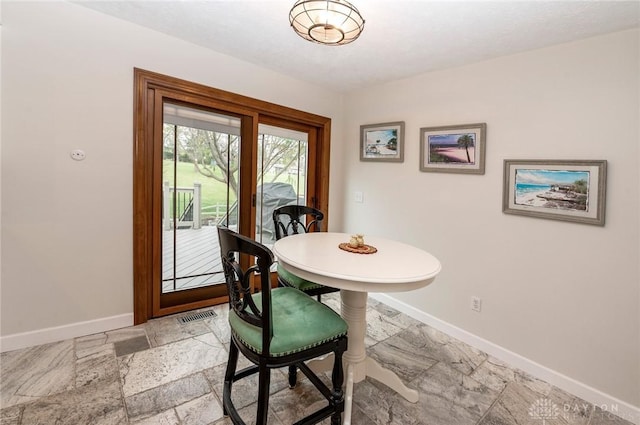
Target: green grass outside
{"type": "Point", "coordinates": [213, 192]}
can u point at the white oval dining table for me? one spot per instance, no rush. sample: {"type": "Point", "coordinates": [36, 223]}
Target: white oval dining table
{"type": "Point", "coordinates": [394, 267]}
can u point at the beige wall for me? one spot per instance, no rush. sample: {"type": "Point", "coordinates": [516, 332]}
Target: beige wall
{"type": "Point", "coordinates": [561, 294]}
{"type": "Point", "coordinates": [67, 78]}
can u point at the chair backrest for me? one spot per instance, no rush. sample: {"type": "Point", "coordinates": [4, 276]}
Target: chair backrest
{"type": "Point", "coordinates": [294, 219]}
{"type": "Point", "coordinates": [232, 246]}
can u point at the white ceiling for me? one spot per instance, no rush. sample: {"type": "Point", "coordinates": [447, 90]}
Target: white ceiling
{"type": "Point", "coordinates": [401, 38]}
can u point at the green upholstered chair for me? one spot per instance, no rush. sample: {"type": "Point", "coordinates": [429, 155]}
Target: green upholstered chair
{"type": "Point", "coordinates": [291, 220]}
{"type": "Point", "coordinates": [276, 328]}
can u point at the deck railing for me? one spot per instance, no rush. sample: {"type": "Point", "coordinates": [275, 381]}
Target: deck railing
{"type": "Point", "coordinates": [181, 206]}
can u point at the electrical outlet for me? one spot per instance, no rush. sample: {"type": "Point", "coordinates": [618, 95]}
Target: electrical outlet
{"type": "Point", "coordinates": [476, 304]}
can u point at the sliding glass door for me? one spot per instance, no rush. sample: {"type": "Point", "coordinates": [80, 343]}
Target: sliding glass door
{"type": "Point", "coordinates": [200, 175]}
{"type": "Point", "coordinates": [281, 177]}
{"type": "Point", "coordinates": [205, 158]}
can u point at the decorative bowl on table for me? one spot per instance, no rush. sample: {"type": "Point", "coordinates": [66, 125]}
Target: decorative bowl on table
{"type": "Point", "coordinates": [356, 245]}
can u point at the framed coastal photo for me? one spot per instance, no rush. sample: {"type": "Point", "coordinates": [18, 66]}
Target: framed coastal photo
{"type": "Point", "coordinates": [453, 148]}
{"type": "Point", "coordinates": [556, 189]}
{"type": "Point", "coordinates": [382, 142]}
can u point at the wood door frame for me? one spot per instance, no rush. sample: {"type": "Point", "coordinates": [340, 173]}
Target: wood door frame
{"type": "Point", "coordinates": [147, 85]}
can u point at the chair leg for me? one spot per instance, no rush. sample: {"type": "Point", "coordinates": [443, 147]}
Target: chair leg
{"type": "Point", "coordinates": [293, 376]}
{"type": "Point", "coordinates": [337, 378]}
{"type": "Point", "coordinates": [232, 364]}
{"type": "Point", "coordinates": [264, 380]}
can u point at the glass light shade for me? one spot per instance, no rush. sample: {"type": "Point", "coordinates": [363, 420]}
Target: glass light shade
{"type": "Point", "coordinates": [331, 22]}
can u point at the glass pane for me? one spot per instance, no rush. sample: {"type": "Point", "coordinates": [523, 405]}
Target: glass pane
{"type": "Point", "coordinates": [200, 172]}
{"type": "Point", "coordinates": [282, 170]}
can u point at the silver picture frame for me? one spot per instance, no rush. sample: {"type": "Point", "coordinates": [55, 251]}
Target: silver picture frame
{"type": "Point", "coordinates": [568, 190]}
{"type": "Point", "coordinates": [382, 142]}
{"type": "Point", "coordinates": [453, 148]}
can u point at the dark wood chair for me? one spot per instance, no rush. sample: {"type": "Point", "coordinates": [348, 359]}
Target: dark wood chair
{"type": "Point", "coordinates": [276, 328]}
{"type": "Point", "coordinates": [291, 220]}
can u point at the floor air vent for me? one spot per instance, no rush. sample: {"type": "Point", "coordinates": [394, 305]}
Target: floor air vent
{"type": "Point", "coordinates": [198, 315]}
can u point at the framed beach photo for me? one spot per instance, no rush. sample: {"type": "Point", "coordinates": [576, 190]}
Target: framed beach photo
{"type": "Point", "coordinates": [555, 189]}
{"type": "Point", "coordinates": [453, 148]}
{"type": "Point", "coordinates": [382, 142]}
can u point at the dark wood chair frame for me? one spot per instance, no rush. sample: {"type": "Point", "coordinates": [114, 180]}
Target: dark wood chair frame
{"type": "Point", "coordinates": [241, 301]}
{"type": "Point", "coordinates": [296, 225]}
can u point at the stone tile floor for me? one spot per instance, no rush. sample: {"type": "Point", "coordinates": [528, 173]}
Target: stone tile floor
{"type": "Point", "coordinates": [168, 373]}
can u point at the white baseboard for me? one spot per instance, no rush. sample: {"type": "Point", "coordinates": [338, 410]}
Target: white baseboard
{"type": "Point", "coordinates": [59, 333]}
{"type": "Point", "coordinates": [598, 398]}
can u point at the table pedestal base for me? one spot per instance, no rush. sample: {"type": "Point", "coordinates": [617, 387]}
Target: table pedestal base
{"type": "Point", "coordinates": [356, 363]}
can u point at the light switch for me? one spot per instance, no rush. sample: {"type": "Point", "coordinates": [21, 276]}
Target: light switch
{"type": "Point", "coordinates": [358, 197]}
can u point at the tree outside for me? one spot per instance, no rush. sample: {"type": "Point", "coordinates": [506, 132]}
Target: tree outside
{"type": "Point", "coordinates": [212, 159]}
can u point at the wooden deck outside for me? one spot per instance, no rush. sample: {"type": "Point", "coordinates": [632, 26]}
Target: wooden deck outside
{"type": "Point", "coordinates": [197, 253]}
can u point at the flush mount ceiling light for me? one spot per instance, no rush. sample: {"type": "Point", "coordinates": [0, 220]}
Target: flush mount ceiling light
{"type": "Point", "coordinates": [331, 22]}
